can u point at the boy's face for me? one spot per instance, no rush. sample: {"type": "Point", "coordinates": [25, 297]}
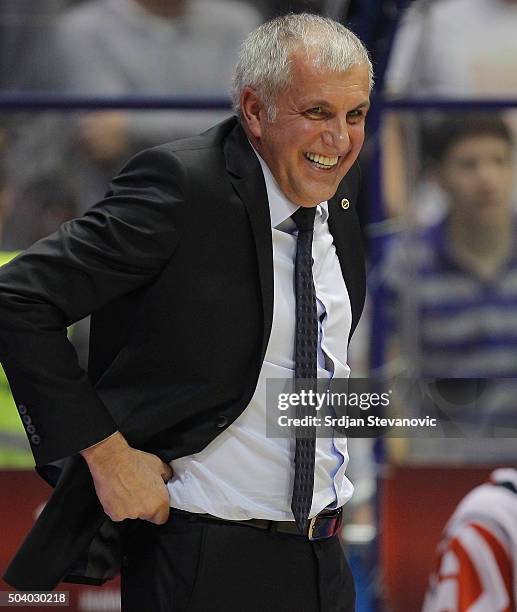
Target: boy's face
{"type": "Point", "coordinates": [477, 175]}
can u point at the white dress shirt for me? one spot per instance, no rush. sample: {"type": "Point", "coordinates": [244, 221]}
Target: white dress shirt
{"type": "Point", "coordinates": [244, 474]}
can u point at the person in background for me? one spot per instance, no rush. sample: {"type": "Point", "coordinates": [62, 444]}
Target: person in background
{"type": "Point", "coordinates": [157, 47]}
{"type": "Point", "coordinates": [465, 267]}
{"type": "Point", "coordinates": [436, 51]}
{"type": "Point", "coordinates": [122, 48]}
{"type": "Point", "coordinates": [26, 29]}
{"type": "Point", "coordinates": [452, 287]}
{"type": "Point", "coordinates": [437, 54]}
{"type": "Point", "coordinates": [476, 564]}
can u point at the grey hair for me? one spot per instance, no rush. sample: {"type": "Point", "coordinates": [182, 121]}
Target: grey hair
{"type": "Point", "coordinates": [264, 56]}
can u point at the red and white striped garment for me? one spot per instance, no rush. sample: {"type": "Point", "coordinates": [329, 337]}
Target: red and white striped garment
{"type": "Point", "coordinates": [476, 565]}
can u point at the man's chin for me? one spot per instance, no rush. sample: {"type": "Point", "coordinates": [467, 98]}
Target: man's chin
{"type": "Point", "coordinates": [313, 195]}
{"type": "Point", "coordinates": [316, 196]}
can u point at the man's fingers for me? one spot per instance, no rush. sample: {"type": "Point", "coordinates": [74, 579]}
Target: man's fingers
{"type": "Point", "coordinates": [154, 507]}
{"type": "Point", "coordinates": [166, 472]}
{"type": "Point", "coordinates": [160, 513]}
{"type": "Point", "coordinates": [130, 483]}
{"type": "Point", "coordinates": [160, 517]}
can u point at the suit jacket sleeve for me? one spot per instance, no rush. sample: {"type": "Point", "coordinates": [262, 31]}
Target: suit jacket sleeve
{"type": "Point", "coordinates": [118, 245]}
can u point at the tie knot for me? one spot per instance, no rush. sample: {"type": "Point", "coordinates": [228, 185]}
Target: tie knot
{"type": "Point", "coordinates": [304, 218]}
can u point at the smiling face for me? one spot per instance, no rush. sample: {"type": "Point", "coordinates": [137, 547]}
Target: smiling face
{"type": "Point", "coordinates": [318, 130]}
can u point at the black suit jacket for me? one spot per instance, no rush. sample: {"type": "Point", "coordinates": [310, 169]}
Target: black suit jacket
{"type": "Point", "coordinates": [176, 266]}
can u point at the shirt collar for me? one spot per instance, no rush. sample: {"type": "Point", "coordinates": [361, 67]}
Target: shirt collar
{"type": "Point", "coordinates": [280, 208]}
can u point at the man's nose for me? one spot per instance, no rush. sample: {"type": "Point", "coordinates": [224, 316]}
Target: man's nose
{"type": "Point", "coordinates": [336, 135]}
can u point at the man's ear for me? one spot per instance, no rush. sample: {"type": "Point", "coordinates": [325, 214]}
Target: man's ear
{"type": "Point", "coordinates": [253, 111]}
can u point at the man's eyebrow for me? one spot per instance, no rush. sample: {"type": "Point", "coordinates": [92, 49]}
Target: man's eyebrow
{"type": "Point", "coordinates": [327, 104]}
{"type": "Point", "coordinates": [314, 103]}
{"type": "Point", "coordinates": [365, 104]}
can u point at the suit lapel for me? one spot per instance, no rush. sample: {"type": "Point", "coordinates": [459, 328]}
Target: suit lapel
{"type": "Point", "coordinates": [246, 177]}
{"type": "Point", "coordinates": [344, 227]}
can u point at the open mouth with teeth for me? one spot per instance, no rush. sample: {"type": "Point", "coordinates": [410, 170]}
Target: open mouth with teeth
{"type": "Point", "coordinates": [322, 161]}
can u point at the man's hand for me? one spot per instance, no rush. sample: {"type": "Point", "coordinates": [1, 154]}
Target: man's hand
{"type": "Point", "coordinates": [129, 483]}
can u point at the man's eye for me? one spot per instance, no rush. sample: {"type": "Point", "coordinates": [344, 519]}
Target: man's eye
{"type": "Point", "coordinates": [316, 111]}
{"type": "Point", "coordinates": [355, 115]}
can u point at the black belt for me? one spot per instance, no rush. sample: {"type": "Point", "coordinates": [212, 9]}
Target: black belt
{"type": "Point", "coordinates": [322, 526]}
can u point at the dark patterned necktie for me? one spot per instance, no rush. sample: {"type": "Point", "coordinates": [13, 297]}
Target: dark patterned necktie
{"type": "Point", "coordinates": [305, 369]}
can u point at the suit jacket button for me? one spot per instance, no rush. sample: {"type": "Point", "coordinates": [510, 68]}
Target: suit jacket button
{"type": "Point", "coordinates": [222, 421]}
{"type": "Point", "coordinates": [26, 419]}
{"type": "Point", "coordinates": [31, 429]}
{"type": "Point", "coordinates": [22, 409]}
{"type": "Point", "coordinates": [35, 439]}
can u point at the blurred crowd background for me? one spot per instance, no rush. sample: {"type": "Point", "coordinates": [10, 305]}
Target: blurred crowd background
{"type": "Point", "coordinates": [86, 83]}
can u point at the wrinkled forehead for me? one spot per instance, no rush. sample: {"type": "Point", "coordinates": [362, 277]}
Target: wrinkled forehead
{"type": "Point", "coordinates": [309, 79]}
{"type": "Point", "coordinates": [310, 66]}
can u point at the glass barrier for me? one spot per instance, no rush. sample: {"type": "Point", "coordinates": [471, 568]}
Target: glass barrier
{"type": "Point", "coordinates": [54, 164]}
{"type": "Point", "coordinates": [446, 278]}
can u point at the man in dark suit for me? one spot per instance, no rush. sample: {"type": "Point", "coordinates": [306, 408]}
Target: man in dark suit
{"type": "Point", "coordinates": [187, 266]}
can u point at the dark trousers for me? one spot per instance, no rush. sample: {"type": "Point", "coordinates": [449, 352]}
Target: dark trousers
{"type": "Point", "coordinates": [208, 566]}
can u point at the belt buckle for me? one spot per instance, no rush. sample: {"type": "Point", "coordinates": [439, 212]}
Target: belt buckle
{"type": "Point", "coordinates": [312, 523]}
{"type": "Point", "coordinates": [336, 523]}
